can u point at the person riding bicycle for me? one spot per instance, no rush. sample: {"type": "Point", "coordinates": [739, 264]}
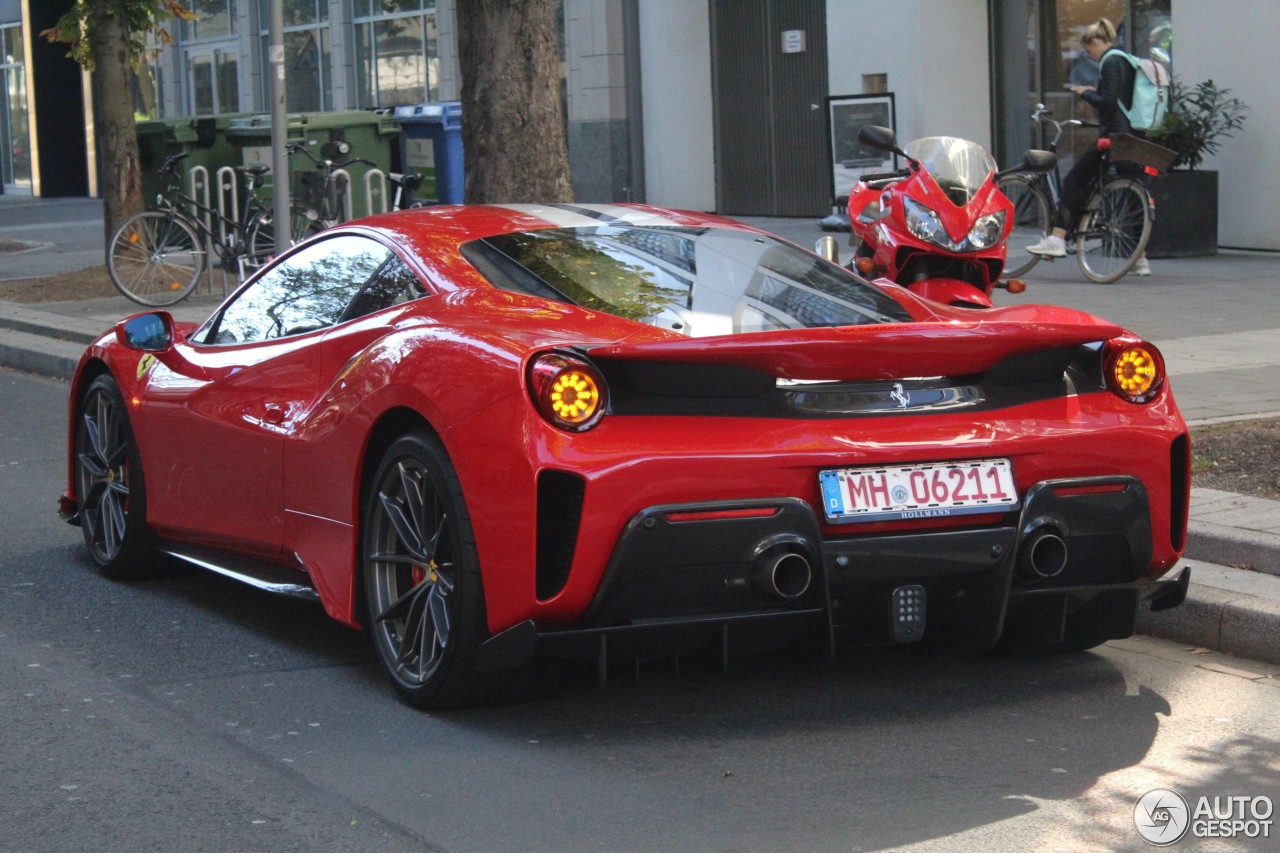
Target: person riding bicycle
{"type": "Point", "coordinates": [1115, 86]}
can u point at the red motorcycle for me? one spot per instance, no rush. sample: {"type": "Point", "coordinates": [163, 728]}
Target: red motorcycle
{"type": "Point", "coordinates": [937, 227]}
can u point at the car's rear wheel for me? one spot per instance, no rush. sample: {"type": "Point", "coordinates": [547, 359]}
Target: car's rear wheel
{"type": "Point", "coordinates": [423, 594]}
{"type": "Point", "coordinates": [109, 486]}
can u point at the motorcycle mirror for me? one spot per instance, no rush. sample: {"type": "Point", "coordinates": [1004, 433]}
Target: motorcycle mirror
{"type": "Point", "coordinates": [879, 138]}
{"type": "Point", "coordinates": [1040, 161]}
{"type": "Point", "coordinates": [1034, 160]}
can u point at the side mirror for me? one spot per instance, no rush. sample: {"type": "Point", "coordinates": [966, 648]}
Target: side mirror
{"type": "Point", "coordinates": [1039, 161]}
{"type": "Point", "coordinates": [879, 138]}
{"type": "Point", "coordinates": [147, 332]}
{"type": "Point", "coordinates": [1034, 160]}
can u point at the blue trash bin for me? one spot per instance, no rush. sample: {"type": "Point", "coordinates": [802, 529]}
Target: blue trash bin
{"type": "Point", "coordinates": [431, 145]}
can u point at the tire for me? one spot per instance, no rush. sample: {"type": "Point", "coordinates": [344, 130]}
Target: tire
{"type": "Point", "coordinates": [1114, 230]}
{"type": "Point", "coordinates": [261, 241]}
{"type": "Point", "coordinates": [423, 594]}
{"type": "Point", "coordinates": [1032, 221]}
{"type": "Point", "coordinates": [109, 486]}
{"type": "Point", "coordinates": [155, 258]}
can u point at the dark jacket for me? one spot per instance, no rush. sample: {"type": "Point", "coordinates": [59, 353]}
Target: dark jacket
{"type": "Point", "coordinates": [1115, 86]}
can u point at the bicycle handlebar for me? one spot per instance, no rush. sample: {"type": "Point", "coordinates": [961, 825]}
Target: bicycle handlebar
{"type": "Point", "coordinates": [321, 163]}
{"type": "Point", "coordinates": [170, 162]}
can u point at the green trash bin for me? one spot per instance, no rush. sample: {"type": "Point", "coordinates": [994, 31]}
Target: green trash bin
{"type": "Point", "coordinates": [204, 139]}
{"type": "Point", "coordinates": [371, 135]}
{"type": "Point", "coordinates": [158, 139]}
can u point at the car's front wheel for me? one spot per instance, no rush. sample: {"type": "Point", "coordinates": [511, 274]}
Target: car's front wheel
{"type": "Point", "coordinates": [109, 485]}
{"type": "Point", "coordinates": [423, 594]}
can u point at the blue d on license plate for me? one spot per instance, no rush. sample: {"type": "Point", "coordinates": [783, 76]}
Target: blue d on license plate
{"type": "Point", "coordinates": [927, 490]}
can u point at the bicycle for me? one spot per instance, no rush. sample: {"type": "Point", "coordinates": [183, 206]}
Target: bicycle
{"type": "Point", "coordinates": [1112, 232]}
{"type": "Point", "coordinates": [406, 185]}
{"type": "Point", "coordinates": [156, 257]}
{"type": "Point", "coordinates": [319, 200]}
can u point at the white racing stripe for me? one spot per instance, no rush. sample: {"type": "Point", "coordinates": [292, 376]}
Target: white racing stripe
{"type": "Point", "coordinates": [587, 215]}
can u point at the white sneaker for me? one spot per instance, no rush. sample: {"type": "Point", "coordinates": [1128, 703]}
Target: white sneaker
{"type": "Point", "coordinates": [1052, 246]}
{"type": "Point", "coordinates": [1141, 267]}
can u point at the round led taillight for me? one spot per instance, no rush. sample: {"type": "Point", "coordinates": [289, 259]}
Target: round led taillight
{"type": "Point", "coordinates": [569, 392]}
{"type": "Point", "coordinates": [1134, 371]}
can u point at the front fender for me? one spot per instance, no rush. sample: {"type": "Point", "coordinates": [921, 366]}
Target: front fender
{"type": "Point", "coordinates": [950, 291]}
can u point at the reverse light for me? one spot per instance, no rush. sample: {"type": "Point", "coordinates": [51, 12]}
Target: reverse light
{"type": "Point", "coordinates": [1134, 371]}
{"type": "Point", "coordinates": [568, 391]}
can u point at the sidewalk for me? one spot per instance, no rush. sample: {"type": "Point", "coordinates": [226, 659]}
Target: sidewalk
{"type": "Point", "coordinates": [1222, 371]}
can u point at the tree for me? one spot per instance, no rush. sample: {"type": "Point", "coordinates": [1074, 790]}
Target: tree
{"type": "Point", "coordinates": [108, 38]}
{"type": "Point", "coordinates": [512, 114]}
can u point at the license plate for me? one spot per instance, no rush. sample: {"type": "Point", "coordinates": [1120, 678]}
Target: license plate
{"type": "Point", "coordinates": [927, 490]}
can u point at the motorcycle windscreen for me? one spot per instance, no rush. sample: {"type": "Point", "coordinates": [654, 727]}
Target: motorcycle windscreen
{"type": "Point", "coordinates": [959, 166]}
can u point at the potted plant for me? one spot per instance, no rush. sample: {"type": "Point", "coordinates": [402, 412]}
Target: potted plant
{"type": "Point", "coordinates": [1199, 118]}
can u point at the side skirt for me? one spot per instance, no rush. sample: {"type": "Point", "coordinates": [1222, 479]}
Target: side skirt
{"type": "Point", "coordinates": [256, 573]}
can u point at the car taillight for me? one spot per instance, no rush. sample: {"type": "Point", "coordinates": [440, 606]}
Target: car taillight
{"type": "Point", "coordinates": [569, 392]}
{"type": "Point", "coordinates": [1134, 370]}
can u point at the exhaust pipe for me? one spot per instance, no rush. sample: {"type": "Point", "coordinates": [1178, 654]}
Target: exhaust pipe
{"type": "Point", "coordinates": [1043, 554]}
{"type": "Point", "coordinates": [782, 576]}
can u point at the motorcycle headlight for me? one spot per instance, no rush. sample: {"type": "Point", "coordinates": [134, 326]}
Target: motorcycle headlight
{"type": "Point", "coordinates": [987, 230]}
{"type": "Point", "coordinates": [922, 222]}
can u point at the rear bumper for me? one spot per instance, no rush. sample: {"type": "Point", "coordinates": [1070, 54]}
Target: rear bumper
{"type": "Point", "coordinates": [1072, 562]}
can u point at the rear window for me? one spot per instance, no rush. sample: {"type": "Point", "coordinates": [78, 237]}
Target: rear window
{"type": "Point", "coordinates": [695, 281]}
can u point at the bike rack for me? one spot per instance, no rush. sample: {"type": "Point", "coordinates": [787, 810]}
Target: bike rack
{"type": "Point", "coordinates": [228, 200]}
{"type": "Point", "coordinates": [198, 188]}
{"type": "Point", "coordinates": [379, 192]}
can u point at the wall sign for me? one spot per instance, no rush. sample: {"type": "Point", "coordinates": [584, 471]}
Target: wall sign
{"type": "Point", "coordinates": [793, 41]}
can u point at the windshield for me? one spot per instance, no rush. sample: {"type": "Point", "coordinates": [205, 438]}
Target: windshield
{"type": "Point", "coordinates": [695, 281]}
{"type": "Point", "coordinates": [959, 166]}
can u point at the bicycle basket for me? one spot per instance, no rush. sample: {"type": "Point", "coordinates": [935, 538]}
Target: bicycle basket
{"type": "Point", "coordinates": [1131, 149]}
{"type": "Point", "coordinates": [308, 189]}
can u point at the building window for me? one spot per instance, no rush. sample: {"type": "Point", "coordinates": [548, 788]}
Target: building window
{"type": "Point", "coordinates": [214, 19]}
{"type": "Point", "coordinates": [214, 84]}
{"type": "Point", "coordinates": [397, 61]}
{"type": "Point", "coordinates": [15, 135]}
{"type": "Point", "coordinates": [211, 54]}
{"type": "Point", "coordinates": [1039, 54]}
{"type": "Point", "coordinates": [308, 78]}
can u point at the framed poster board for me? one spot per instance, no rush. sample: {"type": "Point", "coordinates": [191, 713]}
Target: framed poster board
{"type": "Point", "coordinates": [845, 114]}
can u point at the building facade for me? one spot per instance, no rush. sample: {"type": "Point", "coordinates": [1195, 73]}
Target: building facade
{"type": "Point", "coordinates": [724, 105]}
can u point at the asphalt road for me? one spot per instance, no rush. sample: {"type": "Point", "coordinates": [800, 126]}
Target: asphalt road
{"type": "Point", "coordinates": [190, 713]}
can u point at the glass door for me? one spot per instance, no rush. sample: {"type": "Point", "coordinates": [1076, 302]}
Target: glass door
{"type": "Point", "coordinates": [15, 136]}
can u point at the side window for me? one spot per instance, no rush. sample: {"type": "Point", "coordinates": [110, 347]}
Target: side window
{"type": "Point", "coordinates": [307, 291]}
{"type": "Point", "coordinates": [392, 284]}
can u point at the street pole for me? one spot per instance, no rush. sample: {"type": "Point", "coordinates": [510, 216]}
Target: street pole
{"type": "Point", "coordinates": [279, 127]}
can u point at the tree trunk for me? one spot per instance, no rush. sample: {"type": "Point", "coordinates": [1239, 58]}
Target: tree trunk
{"type": "Point", "coordinates": [513, 132]}
{"type": "Point", "coordinates": [119, 170]}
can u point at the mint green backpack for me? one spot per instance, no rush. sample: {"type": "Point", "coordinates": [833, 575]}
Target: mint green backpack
{"type": "Point", "coordinates": [1150, 97]}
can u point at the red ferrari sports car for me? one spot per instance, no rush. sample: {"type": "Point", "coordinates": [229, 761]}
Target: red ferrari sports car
{"type": "Point", "coordinates": [495, 434]}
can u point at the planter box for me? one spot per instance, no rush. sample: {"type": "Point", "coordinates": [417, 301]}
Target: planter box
{"type": "Point", "coordinates": [1186, 215]}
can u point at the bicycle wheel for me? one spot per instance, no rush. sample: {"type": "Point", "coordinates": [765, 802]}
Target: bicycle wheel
{"type": "Point", "coordinates": [1032, 221]}
{"type": "Point", "coordinates": [1114, 230]}
{"type": "Point", "coordinates": [155, 258]}
{"type": "Point", "coordinates": [260, 241]}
